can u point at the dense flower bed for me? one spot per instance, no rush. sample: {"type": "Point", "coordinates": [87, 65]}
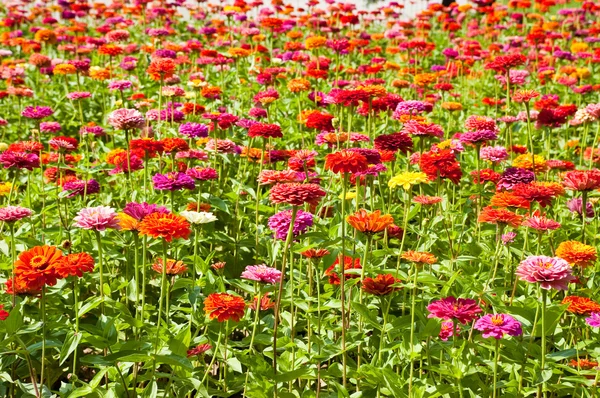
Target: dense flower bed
{"type": "Point", "coordinates": [261, 200]}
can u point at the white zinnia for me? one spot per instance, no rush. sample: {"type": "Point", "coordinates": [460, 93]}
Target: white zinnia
{"type": "Point", "coordinates": [199, 217]}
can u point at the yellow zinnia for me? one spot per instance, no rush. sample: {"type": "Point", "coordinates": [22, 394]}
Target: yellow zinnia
{"type": "Point", "coordinates": [407, 179]}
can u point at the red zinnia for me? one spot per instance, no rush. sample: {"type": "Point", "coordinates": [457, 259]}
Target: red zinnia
{"type": "Point", "coordinates": [224, 307]}
{"type": "Point", "coordinates": [346, 161]}
{"type": "Point", "coordinates": [296, 194]}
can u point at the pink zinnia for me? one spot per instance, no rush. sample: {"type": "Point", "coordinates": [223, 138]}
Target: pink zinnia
{"type": "Point", "coordinates": [126, 119]}
{"type": "Point", "coordinates": [494, 154]}
{"type": "Point", "coordinates": [449, 308]}
{"type": "Point", "coordinates": [447, 330]}
{"type": "Point", "coordinates": [541, 223]}
{"type": "Point", "coordinates": [14, 213]}
{"type": "Point", "coordinates": [497, 325]}
{"type": "Point", "coordinates": [97, 218]}
{"type": "Point", "coordinates": [261, 273]}
{"type": "Point", "coordinates": [549, 272]}
{"type": "Point", "coordinates": [593, 320]}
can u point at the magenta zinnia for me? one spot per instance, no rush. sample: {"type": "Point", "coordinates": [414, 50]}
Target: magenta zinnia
{"type": "Point", "coordinates": [549, 272]}
{"type": "Point", "coordinates": [450, 308]}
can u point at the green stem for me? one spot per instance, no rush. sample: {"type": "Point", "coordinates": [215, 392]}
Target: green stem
{"type": "Point", "coordinates": [412, 330]}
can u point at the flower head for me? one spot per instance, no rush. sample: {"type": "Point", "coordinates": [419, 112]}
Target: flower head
{"type": "Point", "coordinates": [381, 285]}
{"type": "Point", "coordinates": [369, 223]}
{"type": "Point", "coordinates": [450, 308]}
{"type": "Point", "coordinates": [167, 226]}
{"type": "Point", "coordinates": [581, 305]}
{"type": "Point", "coordinates": [280, 223]}
{"type": "Point", "coordinates": [14, 213]}
{"type": "Point", "coordinates": [126, 119]}
{"type": "Point", "coordinates": [549, 272]}
{"type": "Point", "coordinates": [224, 307]}
{"type": "Point", "coordinates": [296, 194]}
{"type": "Point", "coordinates": [261, 273]}
{"type": "Point", "coordinates": [199, 217]}
{"type": "Point", "coordinates": [407, 179]}
{"type": "Point", "coordinates": [346, 161]}
{"type": "Point", "coordinates": [498, 325]}
{"type": "Point", "coordinates": [97, 218]}
{"type": "Point", "coordinates": [174, 267]}
{"type": "Point", "coordinates": [577, 253]}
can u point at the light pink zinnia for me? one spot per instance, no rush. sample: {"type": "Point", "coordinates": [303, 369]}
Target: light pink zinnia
{"type": "Point", "coordinates": [494, 154]}
{"type": "Point", "coordinates": [497, 325]}
{"type": "Point", "coordinates": [449, 308]}
{"type": "Point", "coordinates": [261, 273]}
{"type": "Point", "coordinates": [549, 272]}
{"type": "Point", "coordinates": [97, 218]}
{"type": "Point", "coordinates": [14, 213]}
{"type": "Point", "coordinates": [126, 119]}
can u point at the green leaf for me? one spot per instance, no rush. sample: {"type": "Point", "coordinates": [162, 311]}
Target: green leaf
{"type": "Point", "coordinates": [367, 315]}
{"type": "Point", "coordinates": [15, 320]}
{"type": "Point", "coordinates": [70, 345]}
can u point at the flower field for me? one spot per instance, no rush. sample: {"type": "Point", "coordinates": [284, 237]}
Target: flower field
{"type": "Point", "coordinates": [265, 200]}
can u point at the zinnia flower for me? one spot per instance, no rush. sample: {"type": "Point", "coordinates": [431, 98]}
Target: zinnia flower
{"type": "Point", "coordinates": [581, 305]}
{"type": "Point", "coordinates": [280, 223]}
{"type": "Point", "coordinates": [498, 325]}
{"type": "Point", "coordinates": [174, 267]}
{"type": "Point", "coordinates": [74, 264]}
{"type": "Point", "coordinates": [36, 267]}
{"type": "Point", "coordinates": [14, 213]}
{"type": "Point", "coordinates": [261, 273]}
{"type": "Point", "coordinates": [407, 179]}
{"type": "Point", "coordinates": [593, 320]}
{"type": "Point", "coordinates": [549, 272]}
{"type": "Point", "coordinates": [419, 258]}
{"type": "Point", "coordinates": [97, 218]}
{"type": "Point", "coordinates": [296, 194]}
{"type": "Point", "coordinates": [165, 225]}
{"type": "Point", "coordinates": [346, 161]}
{"type": "Point", "coordinates": [577, 253]}
{"type": "Point", "coordinates": [381, 285]}
{"type": "Point", "coordinates": [126, 119]}
{"type": "Point", "coordinates": [173, 181]}
{"type": "Point", "coordinates": [369, 223]}
{"type": "Point", "coordinates": [582, 180]}
{"type": "Point", "coordinates": [199, 217]}
{"type": "Point", "coordinates": [349, 264]}
{"type": "Point", "coordinates": [450, 308]}
{"type": "Point", "coordinates": [224, 307]}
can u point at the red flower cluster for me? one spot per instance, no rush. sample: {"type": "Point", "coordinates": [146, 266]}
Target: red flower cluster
{"type": "Point", "coordinates": [440, 163]}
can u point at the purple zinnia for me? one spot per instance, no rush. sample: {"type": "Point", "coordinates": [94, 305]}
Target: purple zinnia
{"type": "Point", "coordinates": [410, 107]}
{"type": "Point", "coordinates": [50, 127]}
{"type": "Point", "coordinates": [172, 181]}
{"type": "Point", "coordinates": [81, 187]}
{"type": "Point", "coordinates": [497, 325]}
{"type": "Point", "coordinates": [37, 112]}
{"type": "Point", "coordinates": [478, 136]}
{"type": "Point", "coordinates": [193, 130]}
{"type": "Point", "coordinates": [280, 223]}
{"type": "Point", "coordinates": [19, 160]}
{"type": "Point", "coordinates": [574, 205]}
{"type": "Point", "coordinates": [513, 176]}
{"type": "Point", "coordinates": [141, 210]}
{"type": "Point", "coordinates": [202, 173]}
{"type": "Point", "coordinates": [119, 85]}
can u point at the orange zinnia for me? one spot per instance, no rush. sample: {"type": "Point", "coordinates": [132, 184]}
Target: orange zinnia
{"type": "Point", "coordinates": [500, 216]}
{"type": "Point", "coordinates": [577, 253]}
{"type": "Point", "coordinates": [224, 307]}
{"type": "Point", "coordinates": [369, 223]}
{"type": "Point", "coordinates": [380, 285]}
{"type": "Point", "coordinates": [419, 257]}
{"type": "Point", "coordinates": [508, 199]}
{"type": "Point", "coordinates": [174, 267]}
{"type": "Point", "coordinates": [167, 226]}
{"type": "Point", "coordinates": [75, 264]}
{"type": "Point", "coordinates": [581, 305]}
{"type": "Point", "coordinates": [36, 267]}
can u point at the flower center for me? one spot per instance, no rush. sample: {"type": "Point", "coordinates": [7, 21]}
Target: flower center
{"type": "Point", "coordinates": [497, 320]}
{"type": "Point", "coordinates": [38, 262]}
